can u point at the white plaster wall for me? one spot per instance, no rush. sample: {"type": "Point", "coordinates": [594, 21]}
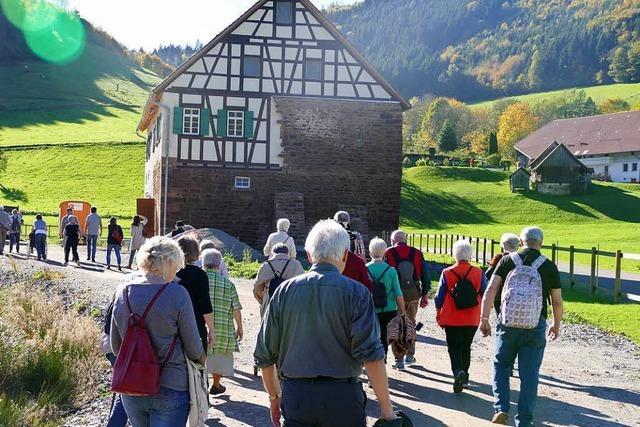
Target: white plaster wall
{"type": "Point", "coordinates": [616, 166]}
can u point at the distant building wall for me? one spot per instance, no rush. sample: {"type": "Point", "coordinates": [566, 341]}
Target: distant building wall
{"type": "Point", "coordinates": [612, 167]}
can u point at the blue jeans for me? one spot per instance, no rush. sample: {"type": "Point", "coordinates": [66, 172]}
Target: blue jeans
{"type": "Point", "coordinates": [170, 408]}
{"type": "Point", "coordinates": [118, 416]}
{"type": "Point", "coordinates": [116, 248]}
{"type": "Point", "coordinates": [14, 239]}
{"type": "Point", "coordinates": [92, 246]}
{"type": "Point", "coordinates": [528, 345]}
{"type": "Point", "coordinates": [40, 240]}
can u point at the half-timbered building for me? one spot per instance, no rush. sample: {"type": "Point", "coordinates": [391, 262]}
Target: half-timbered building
{"type": "Point", "coordinates": [278, 115]}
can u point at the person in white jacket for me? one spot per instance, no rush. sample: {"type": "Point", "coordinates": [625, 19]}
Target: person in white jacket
{"type": "Point", "coordinates": [281, 236]}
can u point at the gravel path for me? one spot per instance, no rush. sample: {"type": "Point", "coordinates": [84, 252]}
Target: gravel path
{"type": "Point", "coordinates": [588, 378]}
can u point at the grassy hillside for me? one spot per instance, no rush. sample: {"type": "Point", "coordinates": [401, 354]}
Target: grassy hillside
{"type": "Point", "coordinates": [630, 92]}
{"type": "Point", "coordinates": [97, 97]}
{"type": "Point", "coordinates": [109, 176]}
{"type": "Point", "coordinates": [478, 202]}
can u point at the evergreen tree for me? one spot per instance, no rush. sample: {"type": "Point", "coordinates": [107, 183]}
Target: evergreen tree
{"type": "Point", "coordinates": [534, 74]}
{"type": "Point", "coordinates": [447, 139]}
{"type": "Point", "coordinates": [493, 143]}
{"type": "Point", "coordinates": [633, 62]}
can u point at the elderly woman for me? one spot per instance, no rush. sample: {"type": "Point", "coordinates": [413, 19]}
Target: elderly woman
{"type": "Point", "coordinates": [458, 309]}
{"type": "Point", "coordinates": [137, 236]}
{"type": "Point", "coordinates": [72, 235]}
{"type": "Point", "coordinates": [385, 280]}
{"type": "Point", "coordinates": [281, 236]}
{"type": "Point", "coordinates": [509, 242]}
{"type": "Point", "coordinates": [210, 244]}
{"type": "Point", "coordinates": [226, 309]}
{"type": "Point", "coordinates": [196, 282]}
{"type": "Point", "coordinates": [275, 270]}
{"type": "Point", "coordinates": [170, 318]}
{"type": "Point", "coordinates": [14, 230]}
{"type": "Point", "coordinates": [39, 230]}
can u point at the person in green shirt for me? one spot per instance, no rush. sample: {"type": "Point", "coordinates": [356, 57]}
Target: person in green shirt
{"type": "Point", "coordinates": [384, 273]}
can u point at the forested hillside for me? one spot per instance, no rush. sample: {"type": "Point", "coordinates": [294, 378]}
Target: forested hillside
{"type": "Point", "coordinates": [480, 49]}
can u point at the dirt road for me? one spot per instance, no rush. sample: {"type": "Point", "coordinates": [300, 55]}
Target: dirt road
{"type": "Point", "coordinates": [588, 378]}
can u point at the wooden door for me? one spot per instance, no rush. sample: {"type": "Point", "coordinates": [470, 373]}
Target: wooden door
{"type": "Point", "coordinates": [147, 207]}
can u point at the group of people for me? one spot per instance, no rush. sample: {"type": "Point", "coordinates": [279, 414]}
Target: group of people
{"type": "Point", "coordinates": [10, 226]}
{"type": "Point", "coordinates": [320, 328]}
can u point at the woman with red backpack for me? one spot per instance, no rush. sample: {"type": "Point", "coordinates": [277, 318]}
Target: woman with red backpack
{"type": "Point", "coordinates": [458, 309]}
{"type": "Point", "coordinates": [153, 330]}
{"type": "Point", "coordinates": [115, 237]}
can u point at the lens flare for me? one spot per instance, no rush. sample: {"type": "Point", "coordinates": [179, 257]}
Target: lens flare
{"type": "Point", "coordinates": [53, 34]}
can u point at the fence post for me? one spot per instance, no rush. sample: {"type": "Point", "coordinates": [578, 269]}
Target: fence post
{"type": "Point", "coordinates": [594, 253]}
{"type": "Point", "coordinates": [572, 257]}
{"type": "Point", "coordinates": [493, 248]}
{"type": "Point", "coordinates": [477, 249]}
{"type": "Point", "coordinates": [484, 251]}
{"type": "Point", "coordinates": [618, 282]}
{"type": "Point", "coordinates": [446, 243]}
{"type": "Point", "coordinates": [451, 246]}
{"type": "Point", "coordinates": [554, 253]}
{"type": "Point", "coordinates": [427, 249]}
{"type": "Point", "coordinates": [440, 245]}
{"type": "Point", "coordinates": [420, 241]}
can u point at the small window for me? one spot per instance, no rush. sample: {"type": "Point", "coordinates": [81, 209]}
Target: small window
{"type": "Point", "coordinates": [313, 69]}
{"type": "Point", "coordinates": [235, 124]}
{"type": "Point", "coordinates": [634, 167]}
{"type": "Point", "coordinates": [625, 167]}
{"type": "Point", "coordinates": [191, 121]}
{"type": "Point", "coordinates": [243, 182]}
{"type": "Point", "coordinates": [284, 12]}
{"type": "Point", "coordinates": [252, 66]}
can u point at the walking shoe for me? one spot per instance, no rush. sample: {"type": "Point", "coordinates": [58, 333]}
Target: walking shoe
{"type": "Point", "coordinates": [465, 383]}
{"type": "Point", "coordinates": [458, 381]}
{"type": "Point", "coordinates": [217, 390]}
{"type": "Point", "coordinates": [500, 418]}
{"type": "Point", "coordinates": [399, 366]}
{"type": "Point", "coordinates": [410, 360]}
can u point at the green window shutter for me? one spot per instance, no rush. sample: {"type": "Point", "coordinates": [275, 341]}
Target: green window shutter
{"type": "Point", "coordinates": [205, 114]}
{"type": "Point", "coordinates": [177, 120]}
{"type": "Point", "coordinates": [221, 125]}
{"type": "Point", "coordinates": [248, 125]}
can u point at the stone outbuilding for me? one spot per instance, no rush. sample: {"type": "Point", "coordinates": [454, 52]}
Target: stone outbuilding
{"type": "Point", "coordinates": [277, 116]}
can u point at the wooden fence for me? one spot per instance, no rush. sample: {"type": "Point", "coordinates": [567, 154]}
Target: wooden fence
{"type": "Point", "coordinates": [485, 249]}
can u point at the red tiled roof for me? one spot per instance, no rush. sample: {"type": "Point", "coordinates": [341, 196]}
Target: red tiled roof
{"type": "Point", "coordinates": [603, 134]}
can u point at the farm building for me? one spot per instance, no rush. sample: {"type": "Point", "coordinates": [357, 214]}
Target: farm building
{"type": "Point", "coordinates": [608, 143]}
{"type": "Point", "coordinates": [519, 180]}
{"type": "Point", "coordinates": [278, 115]}
{"type": "Point", "coordinates": [557, 171]}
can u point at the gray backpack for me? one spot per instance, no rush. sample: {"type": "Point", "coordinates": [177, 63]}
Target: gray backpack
{"type": "Point", "coordinates": [521, 302]}
{"type": "Point", "coordinates": [407, 274]}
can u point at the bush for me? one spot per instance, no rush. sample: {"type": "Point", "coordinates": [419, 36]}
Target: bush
{"type": "Point", "coordinates": [422, 162]}
{"type": "Point", "coordinates": [446, 162]}
{"type": "Point", "coordinates": [493, 160]}
{"type": "Point", "coordinates": [247, 268]}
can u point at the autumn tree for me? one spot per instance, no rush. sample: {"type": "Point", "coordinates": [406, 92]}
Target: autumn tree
{"type": "Point", "coordinates": [613, 106]}
{"type": "Point", "coordinates": [516, 122]}
{"type": "Point", "coordinates": [447, 139]}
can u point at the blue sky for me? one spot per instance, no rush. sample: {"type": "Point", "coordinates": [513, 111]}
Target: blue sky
{"type": "Point", "coordinates": [150, 23]}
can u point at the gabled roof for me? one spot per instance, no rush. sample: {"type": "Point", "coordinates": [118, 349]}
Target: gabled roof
{"type": "Point", "coordinates": [540, 161]}
{"type": "Point", "coordinates": [543, 155]}
{"type": "Point", "coordinates": [520, 169]}
{"type": "Point", "coordinates": [316, 14]}
{"type": "Point", "coordinates": [592, 135]}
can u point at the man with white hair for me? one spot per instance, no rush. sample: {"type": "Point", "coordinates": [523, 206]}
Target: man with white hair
{"type": "Point", "coordinates": [520, 339]}
{"type": "Point", "coordinates": [281, 236]}
{"type": "Point", "coordinates": [356, 242]}
{"type": "Point", "coordinates": [319, 330]}
{"type": "Point", "coordinates": [414, 281]}
{"type": "Point", "coordinates": [509, 242]}
{"type": "Point", "coordinates": [5, 224]}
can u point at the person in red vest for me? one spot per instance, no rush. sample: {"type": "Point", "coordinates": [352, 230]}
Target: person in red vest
{"type": "Point", "coordinates": [356, 269]}
{"type": "Point", "coordinates": [458, 309]}
{"type": "Point", "coordinates": [414, 281]}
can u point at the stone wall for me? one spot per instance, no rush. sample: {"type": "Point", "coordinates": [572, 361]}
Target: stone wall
{"type": "Point", "coordinates": [336, 154]}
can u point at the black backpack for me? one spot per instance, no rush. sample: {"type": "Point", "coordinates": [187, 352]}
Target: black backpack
{"type": "Point", "coordinates": [379, 289]}
{"type": "Point", "coordinates": [277, 278]}
{"type": "Point", "coordinates": [464, 293]}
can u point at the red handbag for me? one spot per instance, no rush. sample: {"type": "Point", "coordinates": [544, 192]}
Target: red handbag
{"type": "Point", "coordinates": [137, 371]}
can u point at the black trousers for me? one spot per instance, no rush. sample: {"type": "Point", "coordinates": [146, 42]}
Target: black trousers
{"type": "Point", "coordinates": [383, 319]}
{"type": "Point", "coordinates": [459, 339]}
{"type": "Point", "coordinates": [73, 247]}
{"type": "Point", "coordinates": [323, 403]}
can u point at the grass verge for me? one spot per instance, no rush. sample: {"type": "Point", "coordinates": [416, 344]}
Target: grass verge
{"type": "Point", "coordinates": [50, 357]}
